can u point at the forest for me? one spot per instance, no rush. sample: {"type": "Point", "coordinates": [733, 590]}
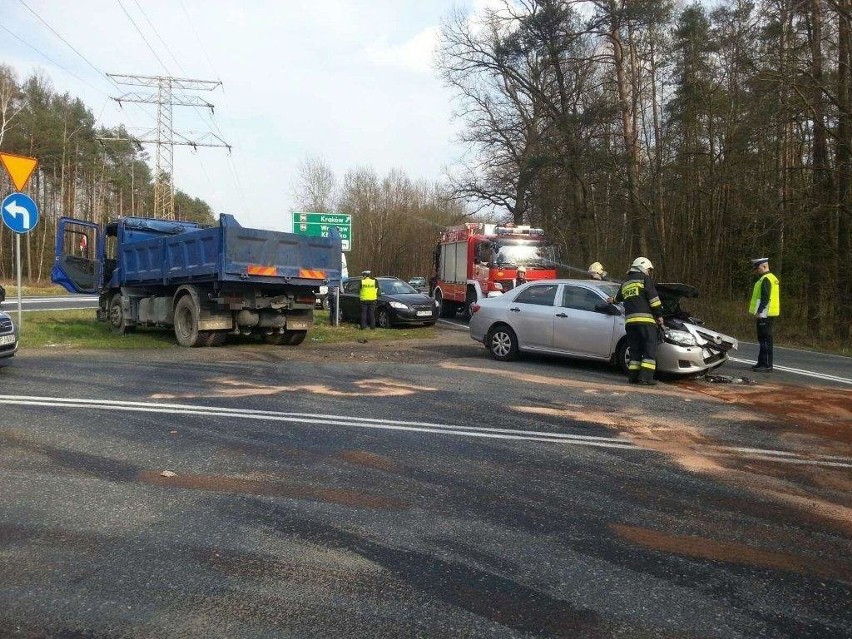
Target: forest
{"type": "Point", "coordinates": [699, 135]}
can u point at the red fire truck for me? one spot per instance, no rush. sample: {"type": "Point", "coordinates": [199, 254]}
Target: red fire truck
{"type": "Point", "coordinates": [477, 260]}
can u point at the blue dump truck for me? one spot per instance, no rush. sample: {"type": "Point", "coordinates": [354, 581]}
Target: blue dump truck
{"type": "Point", "coordinates": [205, 282]}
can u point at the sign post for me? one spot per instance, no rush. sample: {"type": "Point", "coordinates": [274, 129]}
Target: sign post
{"type": "Point", "coordinates": [319, 224]}
{"type": "Point", "coordinates": [19, 211]}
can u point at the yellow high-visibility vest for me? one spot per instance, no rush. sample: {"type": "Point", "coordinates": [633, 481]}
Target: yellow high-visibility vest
{"type": "Point", "coordinates": [774, 309]}
{"type": "Point", "coordinates": [369, 290]}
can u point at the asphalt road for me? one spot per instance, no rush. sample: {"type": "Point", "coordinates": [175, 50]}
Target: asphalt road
{"type": "Point", "coordinates": [51, 303]}
{"type": "Point", "coordinates": [239, 492]}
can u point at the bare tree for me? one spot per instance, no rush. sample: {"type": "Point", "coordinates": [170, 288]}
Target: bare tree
{"type": "Point", "coordinates": [314, 189]}
{"type": "Point", "coordinates": [10, 103]}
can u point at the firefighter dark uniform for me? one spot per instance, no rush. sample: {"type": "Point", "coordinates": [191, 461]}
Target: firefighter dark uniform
{"type": "Point", "coordinates": [368, 295]}
{"type": "Point", "coordinates": [643, 310]}
{"type": "Point", "coordinates": [765, 306]}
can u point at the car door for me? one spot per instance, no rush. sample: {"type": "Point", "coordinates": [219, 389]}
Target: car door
{"type": "Point", "coordinates": [578, 327]}
{"type": "Point", "coordinates": [530, 315]}
{"type": "Point", "coordinates": [350, 300]}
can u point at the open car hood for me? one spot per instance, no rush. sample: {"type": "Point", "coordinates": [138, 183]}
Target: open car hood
{"type": "Point", "coordinates": [676, 291]}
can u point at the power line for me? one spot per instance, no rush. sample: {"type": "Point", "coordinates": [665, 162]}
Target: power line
{"type": "Point", "coordinates": [52, 61]}
{"type": "Point", "coordinates": [100, 73]}
{"type": "Point", "coordinates": [68, 44]}
{"type": "Point", "coordinates": [234, 172]}
{"type": "Point", "coordinates": [142, 35]}
{"type": "Point", "coordinates": [200, 43]}
{"type": "Point", "coordinates": [157, 33]}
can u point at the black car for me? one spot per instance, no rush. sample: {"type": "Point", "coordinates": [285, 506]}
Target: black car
{"type": "Point", "coordinates": [8, 337]}
{"type": "Point", "coordinates": [398, 303]}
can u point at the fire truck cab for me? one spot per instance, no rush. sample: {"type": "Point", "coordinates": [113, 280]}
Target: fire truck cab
{"type": "Point", "coordinates": [477, 260]}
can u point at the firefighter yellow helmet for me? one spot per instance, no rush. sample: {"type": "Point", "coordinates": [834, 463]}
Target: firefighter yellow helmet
{"type": "Point", "coordinates": [642, 264]}
{"type": "Point", "coordinates": [596, 270]}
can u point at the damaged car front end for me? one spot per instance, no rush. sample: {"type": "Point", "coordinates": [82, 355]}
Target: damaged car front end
{"type": "Point", "coordinates": [692, 348]}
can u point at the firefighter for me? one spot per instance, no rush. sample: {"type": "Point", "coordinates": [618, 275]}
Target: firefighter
{"type": "Point", "coordinates": [765, 306]}
{"type": "Point", "coordinates": [643, 311]}
{"type": "Point", "coordinates": [368, 295]}
{"type": "Point", "coordinates": [596, 271]}
{"type": "Point", "coordinates": [521, 277]}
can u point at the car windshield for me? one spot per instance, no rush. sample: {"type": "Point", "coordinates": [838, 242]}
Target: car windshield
{"type": "Point", "coordinates": [521, 253]}
{"type": "Point", "coordinates": [610, 289]}
{"type": "Point", "coordinates": [395, 287]}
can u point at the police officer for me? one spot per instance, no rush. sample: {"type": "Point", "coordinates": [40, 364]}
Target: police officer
{"type": "Point", "coordinates": [368, 295]}
{"type": "Point", "coordinates": [643, 311]}
{"type": "Point", "coordinates": [765, 306]}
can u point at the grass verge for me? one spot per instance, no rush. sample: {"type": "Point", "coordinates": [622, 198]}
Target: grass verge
{"type": "Point", "coordinates": [33, 290]}
{"type": "Point", "coordinates": [80, 330]}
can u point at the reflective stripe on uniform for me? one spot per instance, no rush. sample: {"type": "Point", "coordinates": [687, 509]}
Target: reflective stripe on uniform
{"type": "Point", "coordinates": [650, 364]}
{"type": "Point", "coordinates": [632, 366]}
{"type": "Point", "coordinates": [639, 318]}
{"type": "Point", "coordinates": [654, 302]}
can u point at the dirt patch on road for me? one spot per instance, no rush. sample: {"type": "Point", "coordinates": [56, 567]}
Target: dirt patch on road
{"type": "Point", "coordinates": [824, 412]}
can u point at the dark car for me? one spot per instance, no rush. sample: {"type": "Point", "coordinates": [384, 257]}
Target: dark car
{"type": "Point", "coordinates": [2, 293]}
{"type": "Point", "coordinates": [8, 337]}
{"type": "Point", "coordinates": [398, 303]}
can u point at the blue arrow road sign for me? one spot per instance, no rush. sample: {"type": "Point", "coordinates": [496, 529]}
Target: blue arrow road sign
{"type": "Point", "coordinates": [20, 213]}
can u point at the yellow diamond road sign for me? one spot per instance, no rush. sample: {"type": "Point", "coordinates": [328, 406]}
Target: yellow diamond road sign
{"type": "Point", "coordinates": [19, 167]}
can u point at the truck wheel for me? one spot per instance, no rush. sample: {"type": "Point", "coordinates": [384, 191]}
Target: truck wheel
{"type": "Point", "coordinates": [186, 323]}
{"type": "Point", "coordinates": [287, 338]}
{"type": "Point", "coordinates": [117, 321]}
{"type": "Point", "coordinates": [294, 338]}
{"type": "Point", "coordinates": [215, 338]}
{"type": "Point", "coordinates": [445, 309]}
{"type": "Point", "coordinates": [502, 343]}
{"type": "Point", "coordinates": [470, 298]}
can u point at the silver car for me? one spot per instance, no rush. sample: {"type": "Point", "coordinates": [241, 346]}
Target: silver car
{"type": "Point", "coordinates": [8, 336]}
{"type": "Point", "coordinates": [574, 319]}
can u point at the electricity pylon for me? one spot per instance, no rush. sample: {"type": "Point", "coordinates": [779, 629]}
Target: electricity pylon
{"type": "Point", "coordinates": [163, 135]}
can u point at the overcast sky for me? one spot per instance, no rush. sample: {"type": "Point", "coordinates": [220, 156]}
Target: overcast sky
{"type": "Point", "coordinates": [350, 82]}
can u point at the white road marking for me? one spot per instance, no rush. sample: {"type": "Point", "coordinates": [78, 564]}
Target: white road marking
{"type": "Point", "coordinates": [798, 371]}
{"type": "Point", "coordinates": [329, 420]}
{"type": "Point", "coordinates": [776, 456]}
{"type": "Point", "coordinates": [48, 310]}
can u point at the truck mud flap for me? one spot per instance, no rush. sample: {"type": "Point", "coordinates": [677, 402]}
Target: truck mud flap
{"type": "Point", "coordinates": [208, 321]}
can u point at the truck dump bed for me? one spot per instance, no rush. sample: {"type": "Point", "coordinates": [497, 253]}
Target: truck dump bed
{"type": "Point", "coordinates": [180, 254]}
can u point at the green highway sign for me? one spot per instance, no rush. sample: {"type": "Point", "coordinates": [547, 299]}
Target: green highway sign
{"type": "Point", "coordinates": [319, 225]}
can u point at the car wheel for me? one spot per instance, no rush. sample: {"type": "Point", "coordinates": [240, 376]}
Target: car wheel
{"type": "Point", "coordinates": [622, 356]}
{"type": "Point", "coordinates": [502, 343]}
{"type": "Point", "coordinates": [383, 319]}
